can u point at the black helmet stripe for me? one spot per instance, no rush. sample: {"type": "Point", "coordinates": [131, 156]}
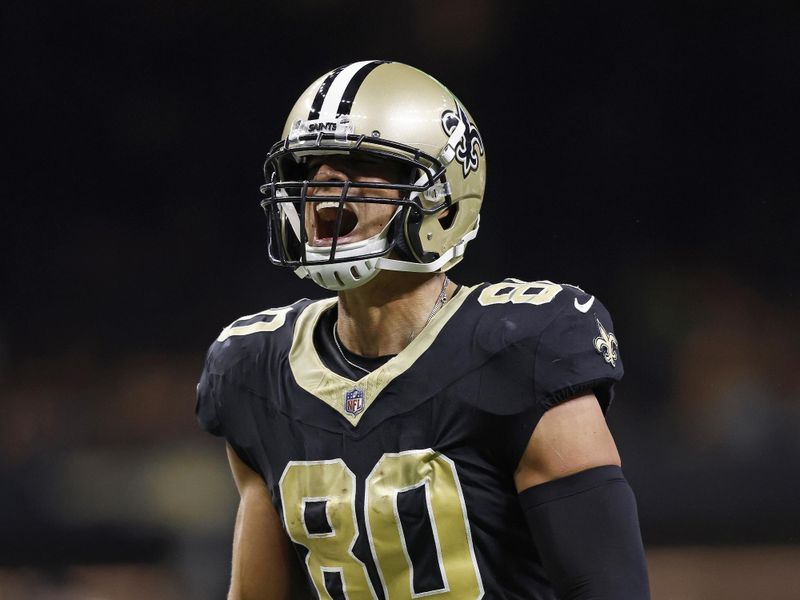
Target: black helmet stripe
{"type": "Point", "coordinates": [321, 92]}
{"type": "Point", "coordinates": [339, 88]}
{"type": "Point", "coordinates": [346, 103]}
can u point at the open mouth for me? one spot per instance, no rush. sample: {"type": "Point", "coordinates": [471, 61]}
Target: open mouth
{"type": "Point", "coordinates": [325, 214]}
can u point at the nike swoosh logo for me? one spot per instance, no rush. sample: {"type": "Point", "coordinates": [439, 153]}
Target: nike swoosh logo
{"type": "Point", "coordinates": [585, 306]}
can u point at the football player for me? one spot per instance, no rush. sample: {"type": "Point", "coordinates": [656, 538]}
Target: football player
{"type": "Point", "coordinates": [410, 436]}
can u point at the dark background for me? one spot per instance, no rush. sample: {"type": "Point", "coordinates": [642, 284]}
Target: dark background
{"type": "Point", "coordinates": [647, 152]}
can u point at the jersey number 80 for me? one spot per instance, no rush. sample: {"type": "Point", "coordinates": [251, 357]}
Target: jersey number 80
{"type": "Point", "coordinates": [332, 483]}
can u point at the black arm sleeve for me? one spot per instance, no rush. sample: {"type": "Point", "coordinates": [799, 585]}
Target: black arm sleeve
{"type": "Point", "coordinates": [586, 529]}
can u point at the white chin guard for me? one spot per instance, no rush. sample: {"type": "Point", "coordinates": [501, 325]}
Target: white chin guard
{"type": "Point", "coordinates": [348, 274]}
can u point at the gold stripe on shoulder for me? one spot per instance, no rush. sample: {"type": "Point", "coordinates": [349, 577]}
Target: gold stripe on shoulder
{"type": "Point", "coordinates": [339, 392]}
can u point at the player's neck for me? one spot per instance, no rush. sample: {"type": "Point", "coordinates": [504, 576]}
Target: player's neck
{"type": "Point", "coordinates": [384, 315]}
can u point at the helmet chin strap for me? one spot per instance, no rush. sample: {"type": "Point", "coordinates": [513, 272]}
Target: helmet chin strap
{"type": "Point", "coordinates": [390, 264]}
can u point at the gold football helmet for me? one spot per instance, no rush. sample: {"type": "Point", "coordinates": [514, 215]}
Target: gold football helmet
{"type": "Point", "coordinates": [389, 111]}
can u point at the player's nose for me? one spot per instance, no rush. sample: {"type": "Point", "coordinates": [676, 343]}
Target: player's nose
{"type": "Point", "coordinates": [327, 172]}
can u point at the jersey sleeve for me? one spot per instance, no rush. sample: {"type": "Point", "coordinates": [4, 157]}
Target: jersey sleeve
{"type": "Point", "coordinates": [577, 352]}
{"type": "Point", "coordinates": [225, 375]}
{"type": "Point", "coordinates": [208, 407]}
{"type": "Point", "coordinates": [223, 399]}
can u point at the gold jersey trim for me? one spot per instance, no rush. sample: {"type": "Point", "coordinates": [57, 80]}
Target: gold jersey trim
{"type": "Point", "coordinates": [330, 387]}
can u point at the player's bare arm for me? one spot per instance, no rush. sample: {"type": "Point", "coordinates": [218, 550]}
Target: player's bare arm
{"type": "Point", "coordinates": [264, 566]}
{"type": "Point", "coordinates": [569, 438]}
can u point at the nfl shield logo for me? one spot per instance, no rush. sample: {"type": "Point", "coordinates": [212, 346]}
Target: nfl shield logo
{"type": "Point", "coordinates": [354, 401]}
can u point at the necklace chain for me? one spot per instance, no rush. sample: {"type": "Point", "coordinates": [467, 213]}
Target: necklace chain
{"type": "Point", "coordinates": [341, 352]}
{"type": "Point", "coordinates": [441, 299]}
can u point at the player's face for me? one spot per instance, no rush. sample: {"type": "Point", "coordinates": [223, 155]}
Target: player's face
{"type": "Point", "coordinates": [360, 220]}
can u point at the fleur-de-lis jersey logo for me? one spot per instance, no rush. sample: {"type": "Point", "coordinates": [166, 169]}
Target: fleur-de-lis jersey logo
{"type": "Point", "coordinates": [606, 344]}
{"type": "Point", "coordinates": [470, 148]}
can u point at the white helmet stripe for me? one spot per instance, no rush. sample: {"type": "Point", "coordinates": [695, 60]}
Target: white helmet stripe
{"type": "Point", "coordinates": [333, 97]}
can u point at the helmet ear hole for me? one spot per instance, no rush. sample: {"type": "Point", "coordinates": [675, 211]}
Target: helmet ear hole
{"type": "Point", "coordinates": [446, 221]}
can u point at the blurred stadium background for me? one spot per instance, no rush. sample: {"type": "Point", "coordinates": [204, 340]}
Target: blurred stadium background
{"type": "Point", "coordinates": [647, 153]}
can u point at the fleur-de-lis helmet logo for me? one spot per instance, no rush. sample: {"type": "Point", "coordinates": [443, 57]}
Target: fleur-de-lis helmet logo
{"type": "Point", "coordinates": [470, 148]}
{"type": "Point", "coordinates": [606, 344]}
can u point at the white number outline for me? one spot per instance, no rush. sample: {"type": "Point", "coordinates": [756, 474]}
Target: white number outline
{"type": "Point", "coordinates": [436, 542]}
{"type": "Point", "coordinates": [518, 295]}
{"type": "Point", "coordinates": [278, 319]}
{"type": "Point", "coordinates": [306, 499]}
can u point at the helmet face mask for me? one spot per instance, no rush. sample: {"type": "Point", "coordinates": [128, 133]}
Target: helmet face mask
{"type": "Point", "coordinates": [290, 184]}
{"type": "Point", "coordinates": [431, 144]}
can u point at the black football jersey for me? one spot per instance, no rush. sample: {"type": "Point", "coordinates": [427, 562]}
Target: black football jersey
{"type": "Point", "coordinates": [400, 484]}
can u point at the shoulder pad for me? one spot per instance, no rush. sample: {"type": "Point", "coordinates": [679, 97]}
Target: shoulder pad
{"type": "Point", "coordinates": [568, 331]}
{"type": "Point", "coordinates": [270, 330]}
{"type": "Point", "coordinates": [237, 356]}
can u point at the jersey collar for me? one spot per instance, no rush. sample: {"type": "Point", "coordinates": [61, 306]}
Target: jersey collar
{"type": "Point", "coordinates": [352, 398]}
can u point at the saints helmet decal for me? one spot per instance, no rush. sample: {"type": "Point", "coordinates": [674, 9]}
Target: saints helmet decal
{"type": "Point", "coordinates": [470, 148]}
